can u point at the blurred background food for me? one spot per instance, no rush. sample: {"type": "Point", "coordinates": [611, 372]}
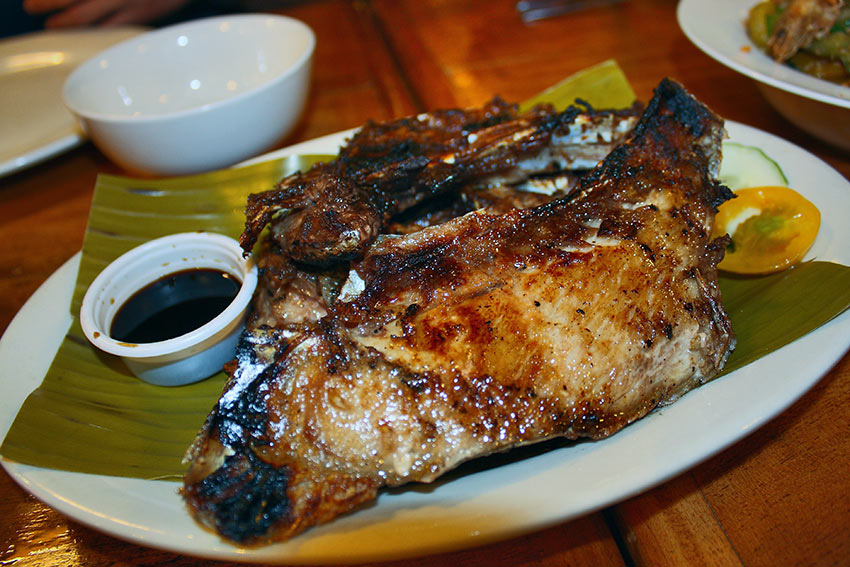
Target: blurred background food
{"type": "Point", "coordinates": [809, 35]}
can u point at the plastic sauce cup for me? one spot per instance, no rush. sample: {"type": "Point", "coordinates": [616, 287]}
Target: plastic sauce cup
{"type": "Point", "coordinates": [189, 357]}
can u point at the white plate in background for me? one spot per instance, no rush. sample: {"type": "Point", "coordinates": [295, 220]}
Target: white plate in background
{"type": "Point", "coordinates": [34, 123]}
{"type": "Point", "coordinates": [717, 27]}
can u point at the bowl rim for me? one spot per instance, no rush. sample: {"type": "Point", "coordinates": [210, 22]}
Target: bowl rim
{"type": "Point", "coordinates": [100, 338]}
{"type": "Point", "coordinates": [303, 60]}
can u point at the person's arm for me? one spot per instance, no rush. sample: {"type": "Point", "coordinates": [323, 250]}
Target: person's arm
{"type": "Point", "coordinates": [65, 13]}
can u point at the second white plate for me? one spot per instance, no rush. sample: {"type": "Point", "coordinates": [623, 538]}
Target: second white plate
{"type": "Point", "coordinates": [34, 123]}
{"type": "Point", "coordinates": [819, 107]}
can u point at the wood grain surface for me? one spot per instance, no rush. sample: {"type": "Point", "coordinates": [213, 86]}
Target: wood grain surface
{"type": "Point", "coordinates": [780, 496]}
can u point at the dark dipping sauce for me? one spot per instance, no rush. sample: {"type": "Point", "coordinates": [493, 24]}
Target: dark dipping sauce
{"type": "Point", "coordinates": [174, 305]}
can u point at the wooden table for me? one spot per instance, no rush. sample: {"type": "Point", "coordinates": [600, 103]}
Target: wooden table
{"type": "Point", "coordinates": [778, 497]}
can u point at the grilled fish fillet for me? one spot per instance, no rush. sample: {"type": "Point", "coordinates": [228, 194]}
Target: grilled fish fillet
{"type": "Point", "coordinates": [334, 211]}
{"type": "Point", "coordinates": [490, 331]}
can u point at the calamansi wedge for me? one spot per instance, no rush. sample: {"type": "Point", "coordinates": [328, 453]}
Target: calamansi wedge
{"type": "Point", "coordinates": [602, 86]}
{"type": "Point", "coordinates": [771, 228]}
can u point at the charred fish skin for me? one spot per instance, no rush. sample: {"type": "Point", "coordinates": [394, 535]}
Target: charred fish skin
{"type": "Point", "coordinates": [490, 331]}
{"type": "Point", "coordinates": [230, 489]}
{"type": "Point", "coordinates": [390, 153]}
{"type": "Point", "coordinates": [331, 213]}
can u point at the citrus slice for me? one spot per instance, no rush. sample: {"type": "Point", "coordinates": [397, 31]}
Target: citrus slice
{"type": "Point", "coordinates": [602, 86]}
{"type": "Point", "coordinates": [771, 229]}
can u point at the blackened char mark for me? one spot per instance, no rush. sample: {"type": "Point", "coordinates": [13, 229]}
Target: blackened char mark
{"type": "Point", "coordinates": [244, 419]}
{"type": "Point", "coordinates": [244, 498]}
{"type": "Point", "coordinates": [241, 415]}
{"type": "Point", "coordinates": [672, 118]}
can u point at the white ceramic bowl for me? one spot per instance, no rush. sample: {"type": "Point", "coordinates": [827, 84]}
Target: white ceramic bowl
{"type": "Point", "coordinates": [195, 96]}
{"type": "Point", "coordinates": [816, 106]}
{"type": "Point", "coordinates": [187, 358]}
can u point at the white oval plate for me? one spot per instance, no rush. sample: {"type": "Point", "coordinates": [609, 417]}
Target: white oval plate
{"type": "Point", "coordinates": [717, 28]}
{"type": "Point", "coordinates": [459, 511]}
{"type": "Point", "coordinates": [34, 123]}
{"type": "Point", "coordinates": [818, 107]}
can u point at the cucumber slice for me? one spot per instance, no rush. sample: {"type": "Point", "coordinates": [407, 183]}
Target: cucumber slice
{"type": "Point", "coordinates": [748, 166]}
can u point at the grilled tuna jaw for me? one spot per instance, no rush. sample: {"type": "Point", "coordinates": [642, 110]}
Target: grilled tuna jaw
{"type": "Point", "coordinates": [485, 333]}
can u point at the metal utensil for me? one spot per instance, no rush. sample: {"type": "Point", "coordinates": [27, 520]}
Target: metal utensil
{"type": "Point", "coordinates": [533, 10]}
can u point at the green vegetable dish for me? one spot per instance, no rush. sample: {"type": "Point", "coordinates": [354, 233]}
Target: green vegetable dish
{"type": "Point", "coordinates": [812, 36]}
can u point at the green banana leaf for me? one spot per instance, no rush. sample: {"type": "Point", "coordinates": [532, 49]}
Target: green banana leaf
{"type": "Point", "coordinates": [771, 311]}
{"type": "Point", "coordinates": [91, 415]}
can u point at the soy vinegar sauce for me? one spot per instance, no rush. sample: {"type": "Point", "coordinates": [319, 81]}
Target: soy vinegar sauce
{"type": "Point", "coordinates": [174, 305]}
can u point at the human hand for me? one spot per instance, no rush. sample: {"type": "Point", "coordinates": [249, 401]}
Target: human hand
{"type": "Point", "coordinates": [65, 13]}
